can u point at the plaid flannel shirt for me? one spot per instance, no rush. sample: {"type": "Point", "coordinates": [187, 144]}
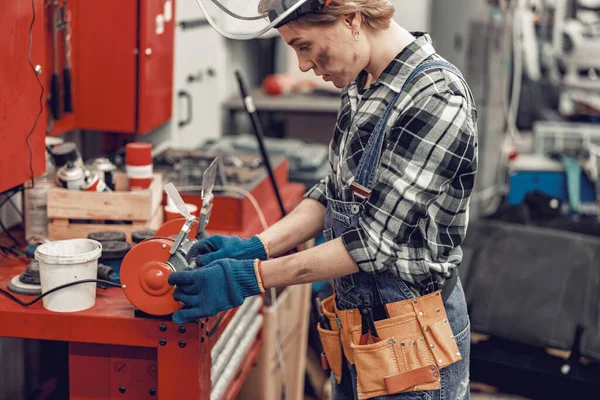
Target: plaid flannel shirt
{"type": "Point", "coordinates": [417, 215]}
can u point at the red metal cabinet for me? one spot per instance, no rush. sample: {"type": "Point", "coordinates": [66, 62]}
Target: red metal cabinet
{"type": "Point", "coordinates": [125, 64]}
{"type": "Point", "coordinates": [20, 93]}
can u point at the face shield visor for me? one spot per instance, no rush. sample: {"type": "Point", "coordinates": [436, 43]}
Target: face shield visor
{"type": "Point", "coordinates": [250, 19]}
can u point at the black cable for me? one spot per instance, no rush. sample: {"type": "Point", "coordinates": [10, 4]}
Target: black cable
{"type": "Point", "coordinates": [7, 249]}
{"type": "Point", "coordinates": [259, 132]}
{"type": "Point", "coordinates": [15, 241]}
{"type": "Point", "coordinates": [2, 226]}
{"type": "Point", "coordinates": [14, 205]}
{"type": "Point", "coordinates": [8, 196]}
{"type": "Point", "coordinates": [66, 285]}
{"type": "Point", "coordinates": [41, 95]}
{"type": "Point", "coordinates": [4, 252]}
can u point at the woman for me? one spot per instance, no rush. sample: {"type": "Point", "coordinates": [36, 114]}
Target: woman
{"type": "Point", "coordinates": [393, 210]}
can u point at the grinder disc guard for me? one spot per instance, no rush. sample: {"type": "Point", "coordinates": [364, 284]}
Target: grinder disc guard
{"type": "Point", "coordinates": [144, 275]}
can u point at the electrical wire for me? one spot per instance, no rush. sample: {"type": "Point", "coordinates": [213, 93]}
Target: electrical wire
{"type": "Point", "coordinates": [253, 201]}
{"type": "Point", "coordinates": [491, 197]}
{"type": "Point", "coordinates": [66, 285]}
{"type": "Point", "coordinates": [10, 235]}
{"type": "Point", "coordinates": [517, 43]}
{"type": "Point", "coordinates": [2, 226]}
{"type": "Point", "coordinates": [7, 198]}
{"type": "Point", "coordinates": [15, 251]}
{"type": "Point", "coordinates": [41, 95]}
{"type": "Point", "coordinates": [12, 203]}
{"type": "Point", "coordinates": [259, 212]}
{"type": "Point", "coordinates": [4, 252]}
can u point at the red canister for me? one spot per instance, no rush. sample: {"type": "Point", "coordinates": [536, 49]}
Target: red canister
{"type": "Point", "coordinates": [138, 160]}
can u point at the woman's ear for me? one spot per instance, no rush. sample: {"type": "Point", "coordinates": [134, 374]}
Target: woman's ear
{"type": "Point", "coordinates": [353, 21]}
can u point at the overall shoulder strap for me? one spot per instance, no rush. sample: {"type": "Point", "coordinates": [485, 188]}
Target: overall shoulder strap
{"type": "Point", "coordinates": [369, 161]}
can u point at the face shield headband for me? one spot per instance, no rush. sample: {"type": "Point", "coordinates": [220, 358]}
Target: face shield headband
{"type": "Point", "coordinates": [279, 14]}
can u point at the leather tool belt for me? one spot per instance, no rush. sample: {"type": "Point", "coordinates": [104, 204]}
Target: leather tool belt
{"type": "Point", "coordinates": [401, 353]}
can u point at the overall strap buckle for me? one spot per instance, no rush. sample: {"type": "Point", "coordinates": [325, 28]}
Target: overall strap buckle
{"type": "Point", "coordinates": [360, 191]}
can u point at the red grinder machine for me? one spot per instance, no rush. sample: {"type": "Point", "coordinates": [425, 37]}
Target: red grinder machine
{"type": "Point", "coordinates": [146, 268]}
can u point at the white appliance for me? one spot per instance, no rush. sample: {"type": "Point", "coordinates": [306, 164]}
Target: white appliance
{"type": "Point", "coordinates": [576, 41]}
{"type": "Point", "coordinates": [199, 78]}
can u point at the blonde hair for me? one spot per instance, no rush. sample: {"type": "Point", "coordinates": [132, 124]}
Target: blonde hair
{"type": "Point", "coordinates": [376, 14]}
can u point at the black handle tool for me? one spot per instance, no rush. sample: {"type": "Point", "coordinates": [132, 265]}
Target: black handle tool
{"type": "Point", "coordinates": [55, 79]}
{"type": "Point", "coordinates": [67, 50]}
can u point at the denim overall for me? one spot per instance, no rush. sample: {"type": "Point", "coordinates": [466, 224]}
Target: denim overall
{"type": "Point", "coordinates": [351, 289]}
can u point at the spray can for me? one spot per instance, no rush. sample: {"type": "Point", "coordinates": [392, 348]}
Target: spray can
{"type": "Point", "coordinates": [105, 170]}
{"type": "Point", "coordinates": [93, 183]}
{"type": "Point", "coordinates": [70, 177]}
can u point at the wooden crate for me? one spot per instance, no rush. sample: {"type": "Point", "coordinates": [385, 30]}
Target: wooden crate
{"type": "Point", "coordinates": [76, 214]}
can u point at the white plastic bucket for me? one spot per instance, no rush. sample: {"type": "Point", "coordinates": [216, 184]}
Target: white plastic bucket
{"type": "Point", "coordinates": [66, 261]}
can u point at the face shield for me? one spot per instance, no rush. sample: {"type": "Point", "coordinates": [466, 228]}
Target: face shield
{"type": "Point", "coordinates": [250, 19]}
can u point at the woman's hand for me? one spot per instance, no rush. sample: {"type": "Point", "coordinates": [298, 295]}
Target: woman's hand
{"type": "Point", "coordinates": [219, 286]}
{"type": "Point", "coordinates": [231, 247]}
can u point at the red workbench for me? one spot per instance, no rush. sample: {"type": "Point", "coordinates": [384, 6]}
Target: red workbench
{"type": "Point", "coordinates": [114, 355]}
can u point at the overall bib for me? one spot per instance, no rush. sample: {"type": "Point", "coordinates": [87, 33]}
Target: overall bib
{"type": "Point", "coordinates": [411, 354]}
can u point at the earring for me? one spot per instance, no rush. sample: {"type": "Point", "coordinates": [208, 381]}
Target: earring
{"type": "Point", "coordinates": [356, 36]}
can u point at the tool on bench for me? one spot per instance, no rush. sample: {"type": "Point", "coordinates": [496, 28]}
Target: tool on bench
{"type": "Point", "coordinates": [146, 267]}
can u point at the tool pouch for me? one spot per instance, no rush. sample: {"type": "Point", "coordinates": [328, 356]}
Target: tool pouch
{"type": "Point", "coordinates": [413, 348]}
{"type": "Point", "coordinates": [330, 340]}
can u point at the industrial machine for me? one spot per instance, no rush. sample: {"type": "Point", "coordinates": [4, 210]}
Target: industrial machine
{"type": "Point", "coordinates": [576, 45]}
{"type": "Point", "coordinates": [146, 267]}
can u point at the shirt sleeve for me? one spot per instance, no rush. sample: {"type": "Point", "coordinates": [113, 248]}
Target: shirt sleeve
{"type": "Point", "coordinates": [317, 192]}
{"type": "Point", "coordinates": [417, 212]}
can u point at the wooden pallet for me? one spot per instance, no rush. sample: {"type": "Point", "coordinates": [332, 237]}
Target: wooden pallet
{"type": "Point", "coordinates": [76, 214]}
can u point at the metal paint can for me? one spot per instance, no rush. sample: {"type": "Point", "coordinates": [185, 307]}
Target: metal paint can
{"type": "Point", "coordinates": [93, 183]}
{"type": "Point", "coordinates": [65, 153]}
{"type": "Point", "coordinates": [70, 177]}
{"type": "Point", "coordinates": [105, 170]}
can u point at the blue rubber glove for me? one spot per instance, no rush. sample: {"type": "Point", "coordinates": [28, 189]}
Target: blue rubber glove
{"type": "Point", "coordinates": [226, 247]}
{"type": "Point", "coordinates": [219, 286]}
